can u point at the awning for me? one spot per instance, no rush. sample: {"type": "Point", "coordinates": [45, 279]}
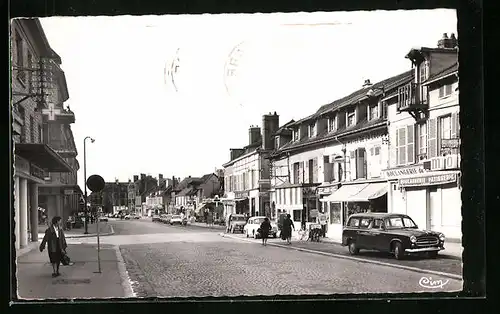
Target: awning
{"type": "Point", "coordinates": [372, 191]}
{"type": "Point", "coordinates": [345, 192]}
{"type": "Point", "coordinates": [43, 156]}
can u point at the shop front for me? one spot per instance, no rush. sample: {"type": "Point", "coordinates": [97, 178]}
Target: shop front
{"type": "Point", "coordinates": [323, 191]}
{"type": "Point", "coordinates": [242, 202]}
{"type": "Point", "coordinates": [352, 198]}
{"type": "Point", "coordinates": [32, 163]}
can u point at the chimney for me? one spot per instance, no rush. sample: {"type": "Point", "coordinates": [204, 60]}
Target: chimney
{"type": "Point", "coordinates": [160, 178]}
{"type": "Point", "coordinates": [143, 176]}
{"type": "Point", "coordinates": [446, 42]}
{"type": "Point", "coordinates": [270, 124]}
{"type": "Point", "coordinates": [367, 84]}
{"type": "Point", "coordinates": [254, 135]}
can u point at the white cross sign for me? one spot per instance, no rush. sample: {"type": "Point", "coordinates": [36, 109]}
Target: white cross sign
{"type": "Point", "coordinates": [51, 111]}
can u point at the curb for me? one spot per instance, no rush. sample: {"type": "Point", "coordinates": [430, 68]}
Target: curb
{"type": "Point", "coordinates": [90, 235]}
{"type": "Point", "coordinates": [419, 270]}
{"type": "Point", "coordinates": [125, 279]}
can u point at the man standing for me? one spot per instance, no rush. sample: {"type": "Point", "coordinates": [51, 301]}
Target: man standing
{"type": "Point", "coordinates": [228, 224]}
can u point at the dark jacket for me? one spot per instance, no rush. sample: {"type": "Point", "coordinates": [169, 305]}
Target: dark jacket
{"type": "Point", "coordinates": [265, 226]}
{"type": "Point", "coordinates": [51, 239]}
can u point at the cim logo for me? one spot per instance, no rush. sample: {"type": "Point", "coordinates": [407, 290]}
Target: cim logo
{"type": "Point", "coordinates": [444, 162]}
{"type": "Point", "coordinates": [428, 282]}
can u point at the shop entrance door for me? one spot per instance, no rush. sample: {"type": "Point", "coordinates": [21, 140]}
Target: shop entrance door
{"type": "Point", "coordinates": [434, 209]}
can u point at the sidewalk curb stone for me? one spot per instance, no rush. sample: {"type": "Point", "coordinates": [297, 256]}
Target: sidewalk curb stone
{"type": "Point", "coordinates": [125, 278]}
{"type": "Point", "coordinates": [452, 276]}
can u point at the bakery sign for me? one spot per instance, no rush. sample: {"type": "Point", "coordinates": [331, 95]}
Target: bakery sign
{"type": "Point", "coordinates": [437, 179]}
{"type": "Point", "coordinates": [404, 171]}
{"type": "Point", "coordinates": [451, 161]}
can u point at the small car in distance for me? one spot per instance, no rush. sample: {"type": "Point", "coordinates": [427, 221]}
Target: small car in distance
{"type": "Point", "coordinates": [237, 223]}
{"type": "Point", "coordinates": [253, 224]}
{"type": "Point", "coordinates": [176, 220]}
{"type": "Point", "coordinates": [394, 233]}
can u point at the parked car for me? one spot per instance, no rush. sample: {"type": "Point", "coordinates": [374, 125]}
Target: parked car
{"type": "Point", "coordinates": [166, 218]}
{"type": "Point", "coordinates": [126, 217]}
{"type": "Point", "coordinates": [394, 233]}
{"type": "Point", "coordinates": [253, 225]}
{"type": "Point", "coordinates": [176, 219]}
{"type": "Point", "coordinates": [237, 223]}
{"type": "Point", "coordinates": [155, 218]}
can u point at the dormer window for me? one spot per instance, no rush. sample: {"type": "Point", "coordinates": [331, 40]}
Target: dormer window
{"type": "Point", "coordinates": [374, 112]}
{"type": "Point", "coordinates": [332, 123]}
{"type": "Point", "coordinates": [424, 71]}
{"type": "Point", "coordinates": [351, 117]}
{"type": "Point", "coordinates": [277, 142]}
{"type": "Point", "coordinates": [312, 130]}
{"type": "Point", "coordinates": [296, 134]}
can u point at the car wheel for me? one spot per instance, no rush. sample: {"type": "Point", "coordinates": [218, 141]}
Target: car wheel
{"type": "Point", "coordinates": [353, 248]}
{"type": "Point", "coordinates": [398, 251]}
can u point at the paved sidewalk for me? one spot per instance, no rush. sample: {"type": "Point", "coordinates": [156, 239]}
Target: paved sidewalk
{"type": "Point", "coordinates": [34, 280]}
{"type": "Point", "coordinates": [105, 229]}
{"type": "Point", "coordinates": [204, 225]}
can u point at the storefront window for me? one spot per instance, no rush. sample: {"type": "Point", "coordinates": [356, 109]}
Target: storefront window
{"type": "Point", "coordinates": [296, 215]}
{"type": "Point", "coordinates": [355, 208]}
{"type": "Point", "coordinates": [335, 210]}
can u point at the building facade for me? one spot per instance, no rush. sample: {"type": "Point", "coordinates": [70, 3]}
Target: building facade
{"type": "Point", "coordinates": [34, 64]}
{"type": "Point", "coordinates": [329, 165]}
{"type": "Point", "coordinates": [424, 165]}
{"type": "Point", "coordinates": [247, 176]}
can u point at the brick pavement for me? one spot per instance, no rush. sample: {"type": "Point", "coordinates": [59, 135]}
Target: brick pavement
{"type": "Point", "coordinates": [443, 263]}
{"type": "Point", "coordinates": [229, 268]}
{"type": "Point", "coordinates": [77, 281]}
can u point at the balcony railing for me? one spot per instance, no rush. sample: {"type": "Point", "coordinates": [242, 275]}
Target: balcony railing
{"type": "Point", "coordinates": [409, 97]}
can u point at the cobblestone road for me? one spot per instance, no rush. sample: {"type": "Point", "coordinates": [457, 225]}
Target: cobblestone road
{"type": "Point", "coordinates": [225, 268]}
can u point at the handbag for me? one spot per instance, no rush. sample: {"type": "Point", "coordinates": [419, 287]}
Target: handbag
{"type": "Point", "coordinates": [65, 260]}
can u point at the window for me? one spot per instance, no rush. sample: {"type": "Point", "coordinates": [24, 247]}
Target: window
{"type": "Point", "coordinates": [296, 173]}
{"type": "Point", "coordinates": [313, 170]}
{"type": "Point", "coordinates": [332, 124]}
{"type": "Point", "coordinates": [354, 222]}
{"type": "Point", "coordinates": [335, 210]}
{"type": "Point", "coordinates": [445, 91]}
{"type": "Point", "coordinates": [20, 57]}
{"type": "Point", "coordinates": [444, 129]}
{"type": "Point", "coordinates": [296, 215]}
{"type": "Point", "coordinates": [296, 135]}
{"type": "Point", "coordinates": [422, 141]}
{"type": "Point", "coordinates": [377, 224]}
{"type": "Point", "coordinates": [377, 150]}
{"type": "Point", "coordinates": [374, 112]}
{"type": "Point", "coordinates": [405, 145]}
{"type": "Point", "coordinates": [351, 117]}
{"type": "Point", "coordinates": [312, 130]}
{"type": "Point", "coordinates": [423, 71]}
{"type": "Point", "coordinates": [365, 222]}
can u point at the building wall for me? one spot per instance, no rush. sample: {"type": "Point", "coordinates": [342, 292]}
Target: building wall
{"type": "Point", "coordinates": [234, 180]}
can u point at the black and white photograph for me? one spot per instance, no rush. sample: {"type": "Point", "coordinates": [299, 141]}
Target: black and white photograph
{"type": "Point", "coordinates": [228, 155]}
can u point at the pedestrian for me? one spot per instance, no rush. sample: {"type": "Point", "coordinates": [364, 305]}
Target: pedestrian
{"type": "Point", "coordinates": [228, 225]}
{"type": "Point", "coordinates": [265, 228]}
{"type": "Point", "coordinates": [286, 233]}
{"type": "Point", "coordinates": [54, 237]}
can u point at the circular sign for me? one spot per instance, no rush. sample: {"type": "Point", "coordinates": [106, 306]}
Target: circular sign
{"type": "Point", "coordinates": [95, 183]}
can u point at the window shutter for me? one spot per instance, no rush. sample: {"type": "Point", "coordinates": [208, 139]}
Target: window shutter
{"type": "Point", "coordinates": [402, 146]}
{"type": "Point", "coordinates": [315, 170]}
{"type": "Point", "coordinates": [432, 138]}
{"type": "Point", "coordinates": [301, 172]}
{"type": "Point", "coordinates": [306, 172]}
{"type": "Point", "coordinates": [455, 125]}
{"type": "Point", "coordinates": [441, 92]}
{"type": "Point", "coordinates": [393, 157]}
{"type": "Point", "coordinates": [410, 144]}
{"type": "Point", "coordinates": [352, 164]}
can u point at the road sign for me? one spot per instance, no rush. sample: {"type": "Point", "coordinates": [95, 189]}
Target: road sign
{"type": "Point", "coordinates": [95, 183]}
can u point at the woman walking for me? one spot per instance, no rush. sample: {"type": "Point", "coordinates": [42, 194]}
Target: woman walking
{"type": "Point", "coordinates": [287, 229]}
{"type": "Point", "coordinates": [265, 228]}
{"type": "Point", "coordinates": [56, 240]}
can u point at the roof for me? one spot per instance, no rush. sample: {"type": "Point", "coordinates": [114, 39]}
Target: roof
{"type": "Point", "coordinates": [452, 69]}
{"type": "Point", "coordinates": [185, 192]}
{"type": "Point", "coordinates": [284, 129]}
{"type": "Point", "coordinates": [379, 215]}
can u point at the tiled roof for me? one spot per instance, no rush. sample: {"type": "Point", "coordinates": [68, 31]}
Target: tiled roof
{"type": "Point", "coordinates": [387, 84]}
{"type": "Point", "coordinates": [449, 70]}
{"type": "Point", "coordinates": [186, 192]}
{"type": "Point", "coordinates": [284, 128]}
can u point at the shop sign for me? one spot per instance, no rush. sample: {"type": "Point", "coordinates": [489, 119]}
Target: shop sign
{"type": "Point", "coordinates": [429, 180]}
{"type": "Point", "coordinates": [241, 194]}
{"type": "Point", "coordinates": [406, 171]}
{"type": "Point", "coordinates": [68, 192]}
{"type": "Point", "coordinates": [442, 162]}
{"type": "Point", "coordinates": [37, 172]}
{"type": "Point", "coordinates": [22, 165]}
{"type": "Point", "coordinates": [326, 190]}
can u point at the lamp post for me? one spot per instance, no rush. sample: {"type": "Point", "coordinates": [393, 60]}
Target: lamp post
{"type": "Point", "coordinates": [85, 179]}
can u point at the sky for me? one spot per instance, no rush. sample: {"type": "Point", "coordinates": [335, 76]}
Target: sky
{"type": "Point", "coordinates": [288, 63]}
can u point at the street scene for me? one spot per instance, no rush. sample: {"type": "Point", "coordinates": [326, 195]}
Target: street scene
{"type": "Point", "coordinates": [268, 155]}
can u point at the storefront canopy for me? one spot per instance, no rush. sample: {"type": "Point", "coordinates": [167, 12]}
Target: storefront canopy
{"type": "Point", "coordinates": [42, 156]}
{"type": "Point", "coordinates": [345, 192]}
{"type": "Point", "coordinates": [370, 192]}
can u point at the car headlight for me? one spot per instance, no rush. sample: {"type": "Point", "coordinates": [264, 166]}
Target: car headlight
{"type": "Point", "coordinates": [441, 237]}
{"type": "Point", "coordinates": [413, 239]}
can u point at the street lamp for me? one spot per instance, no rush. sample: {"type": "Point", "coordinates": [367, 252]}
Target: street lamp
{"type": "Point", "coordinates": [85, 179]}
